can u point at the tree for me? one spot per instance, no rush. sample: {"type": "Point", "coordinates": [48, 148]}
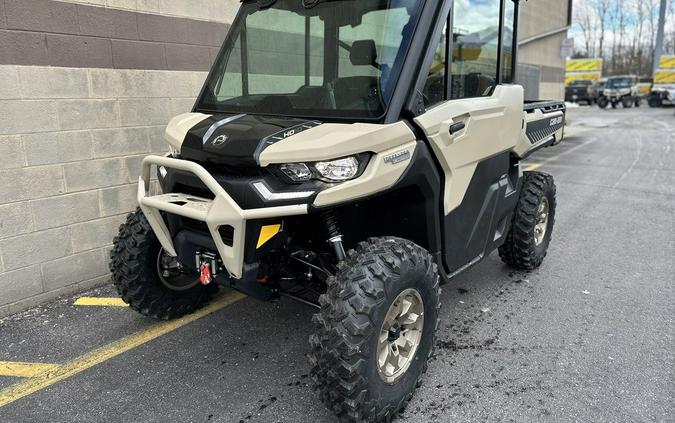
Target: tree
{"type": "Point", "coordinates": [601, 8]}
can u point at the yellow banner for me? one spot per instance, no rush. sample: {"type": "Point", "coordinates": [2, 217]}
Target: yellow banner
{"type": "Point", "coordinates": [664, 76]}
{"type": "Point", "coordinates": [581, 76]}
{"type": "Point", "coordinates": [645, 88]}
{"type": "Point", "coordinates": [667, 62]}
{"type": "Point", "coordinates": [584, 65]}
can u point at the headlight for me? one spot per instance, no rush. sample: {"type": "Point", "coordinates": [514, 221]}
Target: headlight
{"type": "Point", "coordinates": [338, 170]}
{"type": "Point", "coordinates": [298, 172]}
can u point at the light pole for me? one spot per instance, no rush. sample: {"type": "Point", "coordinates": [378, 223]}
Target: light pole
{"type": "Point", "coordinates": [659, 35]}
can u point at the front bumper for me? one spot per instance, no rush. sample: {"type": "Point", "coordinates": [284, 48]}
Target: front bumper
{"type": "Point", "coordinates": [222, 211]}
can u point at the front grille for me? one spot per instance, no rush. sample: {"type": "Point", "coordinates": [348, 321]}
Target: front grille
{"type": "Point", "coordinates": [195, 225]}
{"type": "Point", "coordinates": [226, 231]}
{"type": "Point", "coordinates": [239, 171]}
{"type": "Point", "coordinates": [197, 191]}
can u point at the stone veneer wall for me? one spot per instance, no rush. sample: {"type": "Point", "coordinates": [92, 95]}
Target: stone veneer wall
{"type": "Point", "coordinates": [86, 88]}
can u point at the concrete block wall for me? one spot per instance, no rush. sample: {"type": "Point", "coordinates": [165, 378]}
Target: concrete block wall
{"type": "Point", "coordinates": [541, 17]}
{"type": "Point", "coordinates": [86, 89]}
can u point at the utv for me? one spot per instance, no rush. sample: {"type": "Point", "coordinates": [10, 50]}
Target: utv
{"type": "Point", "coordinates": [578, 91]}
{"type": "Point", "coordinates": [352, 155]}
{"type": "Point", "coordinates": [624, 90]}
{"type": "Point", "coordinates": [662, 95]}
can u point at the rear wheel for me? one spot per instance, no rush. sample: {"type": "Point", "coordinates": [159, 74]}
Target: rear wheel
{"type": "Point", "coordinates": [530, 234]}
{"type": "Point", "coordinates": [603, 102]}
{"type": "Point", "coordinates": [376, 330]}
{"type": "Point", "coordinates": [149, 280]}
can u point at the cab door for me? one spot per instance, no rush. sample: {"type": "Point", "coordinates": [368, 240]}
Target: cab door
{"type": "Point", "coordinates": [472, 132]}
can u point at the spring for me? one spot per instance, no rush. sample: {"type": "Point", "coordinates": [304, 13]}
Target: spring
{"type": "Point", "coordinates": [331, 224]}
{"type": "Point", "coordinates": [334, 235]}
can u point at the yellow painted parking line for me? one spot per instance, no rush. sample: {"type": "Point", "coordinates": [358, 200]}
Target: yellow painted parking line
{"type": "Point", "coordinates": [533, 166]}
{"type": "Point", "coordinates": [20, 369]}
{"type": "Point", "coordinates": [99, 355]}
{"type": "Point", "coordinates": [100, 302]}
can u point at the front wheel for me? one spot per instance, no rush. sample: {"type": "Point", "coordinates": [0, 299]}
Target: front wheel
{"type": "Point", "coordinates": [627, 102]}
{"type": "Point", "coordinates": [528, 239]}
{"type": "Point", "coordinates": [150, 281]}
{"type": "Point", "coordinates": [376, 330]}
{"type": "Point", "coordinates": [603, 102]}
{"type": "Point", "coordinates": [654, 102]}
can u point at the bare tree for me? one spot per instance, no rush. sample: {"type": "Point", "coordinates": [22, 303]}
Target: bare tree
{"type": "Point", "coordinates": [623, 33]}
{"type": "Point", "coordinates": [601, 8]}
{"type": "Point", "coordinates": [583, 16]}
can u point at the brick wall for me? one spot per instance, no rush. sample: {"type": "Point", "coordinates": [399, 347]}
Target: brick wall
{"type": "Point", "coordinates": [85, 93]}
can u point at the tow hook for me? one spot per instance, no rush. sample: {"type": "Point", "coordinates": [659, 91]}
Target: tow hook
{"type": "Point", "coordinates": [205, 276]}
{"type": "Point", "coordinates": [207, 263]}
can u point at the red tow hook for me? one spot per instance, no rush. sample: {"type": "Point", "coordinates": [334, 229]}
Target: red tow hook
{"type": "Point", "coordinates": [205, 276]}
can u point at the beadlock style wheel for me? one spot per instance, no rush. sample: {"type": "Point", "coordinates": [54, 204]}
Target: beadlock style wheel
{"type": "Point", "coordinates": [527, 242]}
{"type": "Point", "coordinates": [400, 335]}
{"type": "Point", "coordinates": [541, 227]}
{"type": "Point", "coordinates": [375, 331]}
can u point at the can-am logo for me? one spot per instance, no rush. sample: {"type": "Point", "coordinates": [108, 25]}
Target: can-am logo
{"type": "Point", "coordinates": [220, 140]}
{"type": "Point", "coordinates": [556, 121]}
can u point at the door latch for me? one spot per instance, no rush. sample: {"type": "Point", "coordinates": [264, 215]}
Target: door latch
{"type": "Point", "coordinates": [456, 127]}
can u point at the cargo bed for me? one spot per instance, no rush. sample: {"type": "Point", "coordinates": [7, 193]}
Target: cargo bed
{"type": "Point", "coordinates": [543, 125]}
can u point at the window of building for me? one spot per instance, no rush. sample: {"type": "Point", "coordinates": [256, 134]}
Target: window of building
{"type": "Point", "coordinates": [475, 52]}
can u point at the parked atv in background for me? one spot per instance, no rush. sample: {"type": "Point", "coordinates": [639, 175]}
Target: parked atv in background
{"type": "Point", "coordinates": [578, 91]}
{"type": "Point", "coordinates": [354, 156]}
{"type": "Point", "coordinates": [662, 95]}
{"type": "Point", "coordinates": [595, 91]}
{"type": "Point", "coordinates": [624, 90]}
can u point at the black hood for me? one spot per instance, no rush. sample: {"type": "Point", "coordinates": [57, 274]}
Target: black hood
{"type": "Point", "coordinates": [238, 140]}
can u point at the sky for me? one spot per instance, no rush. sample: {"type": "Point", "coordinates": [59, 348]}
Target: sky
{"type": "Point", "coordinates": [629, 7]}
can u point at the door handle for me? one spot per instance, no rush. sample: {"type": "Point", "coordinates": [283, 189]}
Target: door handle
{"type": "Point", "coordinates": [456, 127]}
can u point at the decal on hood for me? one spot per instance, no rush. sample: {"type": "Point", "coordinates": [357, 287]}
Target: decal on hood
{"type": "Point", "coordinates": [237, 140]}
{"type": "Point", "coordinates": [282, 135]}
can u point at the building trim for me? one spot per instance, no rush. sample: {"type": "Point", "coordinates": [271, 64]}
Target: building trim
{"type": "Point", "coordinates": [547, 34]}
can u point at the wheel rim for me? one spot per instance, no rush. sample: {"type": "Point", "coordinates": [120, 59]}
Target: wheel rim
{"type": "Point", "coordinates": [400, 335]}
{"type": "Point", "coordinates": [173, 275]}
{"type": "Point", "coordinates": [542, 221]}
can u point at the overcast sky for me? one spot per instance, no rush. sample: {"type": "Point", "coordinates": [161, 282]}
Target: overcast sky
{"type": "Point", "coordinates": [630, 9]}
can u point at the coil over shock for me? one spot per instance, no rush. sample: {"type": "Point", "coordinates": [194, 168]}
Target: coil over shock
{"type": "Point", "coordinates": [334, 235]}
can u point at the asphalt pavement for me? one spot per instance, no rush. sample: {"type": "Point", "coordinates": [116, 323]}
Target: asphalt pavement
{"type": "Point", "coordinates": [586, 338]}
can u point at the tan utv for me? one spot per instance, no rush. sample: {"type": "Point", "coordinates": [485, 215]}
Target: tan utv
{"type": "Point", "coordinates": [353, 155]}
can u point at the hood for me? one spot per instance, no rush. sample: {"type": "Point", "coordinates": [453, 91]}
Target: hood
{"type": "Point", "coordinates": [662, 88]}
{"type": "Point", "coordinates": [228, 139]}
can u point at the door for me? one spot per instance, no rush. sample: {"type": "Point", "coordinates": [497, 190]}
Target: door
{"type": "Point", "coordinates": [472, 134]}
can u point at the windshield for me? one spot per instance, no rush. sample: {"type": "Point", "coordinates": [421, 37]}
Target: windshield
{"type": "Point", "coordinates": [619, 83]}
{"type": "Point", "coordinates": [336, 59]}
